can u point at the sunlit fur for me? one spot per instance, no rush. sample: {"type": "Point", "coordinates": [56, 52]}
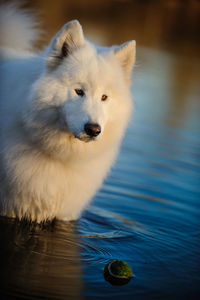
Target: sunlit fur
{"type": "Point", "coordinates": [49, 167]}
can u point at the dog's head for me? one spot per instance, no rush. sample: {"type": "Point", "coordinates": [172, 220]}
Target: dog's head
{"type": "Point", "coordinates": [83, 86]}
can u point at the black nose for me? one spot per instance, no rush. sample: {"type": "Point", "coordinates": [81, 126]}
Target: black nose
{"type": "Point", "coordinates": [92, 129]}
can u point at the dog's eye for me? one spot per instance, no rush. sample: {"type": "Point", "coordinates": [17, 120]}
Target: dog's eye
{"type": "Point", "coordinates": [79, 92]}
{"type": "Point", "coordinates": [104, 97]}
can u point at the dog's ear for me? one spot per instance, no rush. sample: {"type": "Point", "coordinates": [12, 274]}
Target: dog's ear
{"type": "Point", "coordinates": [67, 40]}
{"type": "Point", "coordinates": [125, 54]}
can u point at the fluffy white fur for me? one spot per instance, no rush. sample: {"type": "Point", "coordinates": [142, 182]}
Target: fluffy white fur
{"type": "Point", "coordinates": [49, 166]}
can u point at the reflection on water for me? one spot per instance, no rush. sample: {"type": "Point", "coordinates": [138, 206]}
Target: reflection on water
{"type": "Point", "coordinates": [39, 262]}
{"type": "Point", "coordinates": [147, 212]}
{"type": "Point", "coordinates": [173, 89]}
{"type": "Point", "coordinates": [173, 25]}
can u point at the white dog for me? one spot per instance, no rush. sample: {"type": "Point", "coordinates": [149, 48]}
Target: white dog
{"type": "Point", "coordinates": [63, 113]}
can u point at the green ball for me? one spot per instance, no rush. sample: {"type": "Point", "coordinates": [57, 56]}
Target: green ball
{"type": "Point", "coordinates": [117, 272]}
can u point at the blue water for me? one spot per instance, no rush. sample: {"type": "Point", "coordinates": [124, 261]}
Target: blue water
{"type": "Point", "coordinates": [146, 213]}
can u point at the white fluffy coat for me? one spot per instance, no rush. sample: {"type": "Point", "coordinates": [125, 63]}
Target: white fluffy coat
{"type": "Point", "coordinates": [49, 166]}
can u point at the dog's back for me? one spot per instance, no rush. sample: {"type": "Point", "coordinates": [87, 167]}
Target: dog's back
{"type": "Point", "coordinates": [18, 28]}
